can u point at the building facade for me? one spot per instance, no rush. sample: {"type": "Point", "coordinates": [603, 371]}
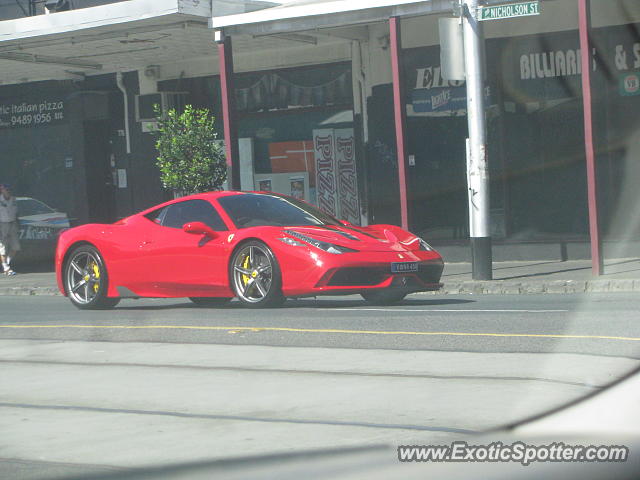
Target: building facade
{"type": "Point", "coordinates": [314, 105]}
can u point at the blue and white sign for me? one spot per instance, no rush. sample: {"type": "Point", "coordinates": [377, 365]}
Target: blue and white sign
{"type": "Point", "coordinates": [443, 99]}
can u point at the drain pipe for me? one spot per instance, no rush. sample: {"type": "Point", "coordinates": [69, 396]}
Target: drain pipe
{"type": "Point", "coordinates": [360, 84]}
{"type": "Point", "coordinates": [123, 89]}
{"type": "Point", "coordinates": [359, 90]}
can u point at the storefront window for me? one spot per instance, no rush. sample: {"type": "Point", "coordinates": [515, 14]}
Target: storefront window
{"type": "Point", "coordinates": [543, 150]}
{"type": "Point", "coordinates": [300, 123]}
{"type": "Point", "coordinates": [535, 139]}
{"type": "Point", "coordinates": [297, 133]}
{"type": "Point", "coordinates": [37, 160]}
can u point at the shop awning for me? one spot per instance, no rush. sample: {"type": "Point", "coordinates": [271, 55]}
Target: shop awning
{"type": "Point", "coordinates": [309, 15]}
{"type": "Point", "coordinates": [115, 37]}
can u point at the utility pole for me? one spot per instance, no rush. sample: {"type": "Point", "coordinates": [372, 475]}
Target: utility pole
{"type": "Point", "coordinates": [477, 167]}
{"type": "Point", "coordinates": [584, 25]}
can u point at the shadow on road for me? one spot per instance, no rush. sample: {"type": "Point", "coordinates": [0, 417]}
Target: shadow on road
{"type": "Point", "coordinates": [302, 303]}
{"type": "Point", "coordinates": [27, 266]}
{"type": "Point", "coordinates": [331, 303]}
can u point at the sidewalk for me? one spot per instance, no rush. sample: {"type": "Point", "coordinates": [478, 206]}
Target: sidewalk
{"type": "Point", "coordinates": [509, 278]}
{"type": "Point", "coordinates": [572, 276]}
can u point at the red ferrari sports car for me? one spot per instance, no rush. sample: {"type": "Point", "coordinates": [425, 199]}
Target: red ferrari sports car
{"type": "Point", "coordinates": [258, 247]}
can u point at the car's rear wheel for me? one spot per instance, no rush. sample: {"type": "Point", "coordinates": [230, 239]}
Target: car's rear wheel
{"type": "Point", "coordinates": [86, 280]}
{"type": "Point", "coordinates": [210, 301]}
{"type": "Point", "coordinates": [384, 297]}
{"type": "Point", "coordinates": [255, 276]}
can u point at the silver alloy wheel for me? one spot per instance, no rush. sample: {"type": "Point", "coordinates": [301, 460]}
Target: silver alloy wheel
{"type": "Point", "coordinates": [252, 273]}
{"type": "Point", "coordinates": [83, 277]}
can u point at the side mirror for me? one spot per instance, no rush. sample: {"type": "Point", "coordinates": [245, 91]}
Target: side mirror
{"type": "Point", "coordinates": [199, 228]}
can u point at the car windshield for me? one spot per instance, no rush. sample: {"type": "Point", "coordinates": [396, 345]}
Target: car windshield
{"type": "Point", "coordinates": [254, 210]}
{"type": "Point", "coordinates": [30, 206]}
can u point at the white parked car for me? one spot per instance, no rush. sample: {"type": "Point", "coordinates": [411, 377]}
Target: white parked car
{"type": "Point", "coordinates": [40, 226]}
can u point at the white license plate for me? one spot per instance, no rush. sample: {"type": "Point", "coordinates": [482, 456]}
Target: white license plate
{"type": "Point", "coordinates": [404, 267]}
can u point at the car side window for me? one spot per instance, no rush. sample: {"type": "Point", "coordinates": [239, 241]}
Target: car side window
{"type": "Point", "coordinates": [178, 214]}
{"type": "Point", "coordinates": [157, 215]}
{"type": "Point", "coordinates": [31, 206]}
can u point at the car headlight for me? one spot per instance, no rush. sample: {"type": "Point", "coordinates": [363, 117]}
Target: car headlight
{"type": "Point", "coordinates": [425, 246]}
{"type": "Point", "coordinates": [326, 246]}
{"type": "Point", "coordinates": [291, 241]}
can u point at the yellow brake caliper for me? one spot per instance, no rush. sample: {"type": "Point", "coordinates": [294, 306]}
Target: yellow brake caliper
{"type": "Point", "coordinates": [96, 272]}
{"type": "Point", "coordinates": [245, 265]}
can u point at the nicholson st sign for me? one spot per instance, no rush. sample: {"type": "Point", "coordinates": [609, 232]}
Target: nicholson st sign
{"type": "Point", "coordinates": [512, 10]}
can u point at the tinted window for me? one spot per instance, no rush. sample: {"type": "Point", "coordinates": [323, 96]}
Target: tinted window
{"type": "Point", "coordinates": [178, 214]}
{"type": "Point", "coordinates": [157, 215]}
{"type": "Point", "coordinates": [31, 206]}
{"type": "Point", "coordinates": [252, 210]}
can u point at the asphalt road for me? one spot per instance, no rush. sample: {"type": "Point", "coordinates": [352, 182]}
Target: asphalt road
{"type": "Point", "coordinates": [162, 381]}
{"type": "Point", "coordinates": [500, 323]}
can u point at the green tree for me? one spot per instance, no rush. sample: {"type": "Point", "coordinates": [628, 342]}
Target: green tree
{"type": "Point", "coordinates": [190, 158]}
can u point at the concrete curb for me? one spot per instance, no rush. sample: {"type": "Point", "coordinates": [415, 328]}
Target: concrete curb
{"type": "Point", "coordinates": [505, 287]}
{"type": "Point", "coordinates": [26, 291]}
{"type": "Point", "coordinates": [495, 287]}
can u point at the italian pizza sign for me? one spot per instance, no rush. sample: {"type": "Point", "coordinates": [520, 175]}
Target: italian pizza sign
{"type": "Point", "coordinates": [15, 113]}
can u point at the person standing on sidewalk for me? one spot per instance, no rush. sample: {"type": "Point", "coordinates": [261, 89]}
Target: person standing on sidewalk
{"type": "Point", "coordinates": [9, 243]}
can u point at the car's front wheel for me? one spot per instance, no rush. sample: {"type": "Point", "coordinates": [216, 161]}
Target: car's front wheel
{"type": "Point", "coordinates": [86, 281]}
{"type": "Point", "coordinates": [384, 297]}
{"type": "Point", "coordinates": [255, 276]}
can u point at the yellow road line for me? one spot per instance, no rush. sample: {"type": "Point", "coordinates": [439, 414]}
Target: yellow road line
{"type": "Point", "coordinates": [325, 330]}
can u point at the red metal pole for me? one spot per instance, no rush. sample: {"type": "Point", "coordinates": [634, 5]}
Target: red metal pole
{"type": "Point", "coordinates": [584, 22]}
{"type": "Point", "coordinates": [399, 110]}
{"type": "Point", "coordinates": [225, 59]}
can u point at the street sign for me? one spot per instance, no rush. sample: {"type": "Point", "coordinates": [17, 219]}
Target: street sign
{"type": "Point", "coordinates": [451, 49]}
{"type": "Point", "coordinates": [511, 10]}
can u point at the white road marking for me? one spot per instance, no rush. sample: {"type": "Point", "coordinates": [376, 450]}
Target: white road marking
{"type": "Point", "coordinates": [443, 310]}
